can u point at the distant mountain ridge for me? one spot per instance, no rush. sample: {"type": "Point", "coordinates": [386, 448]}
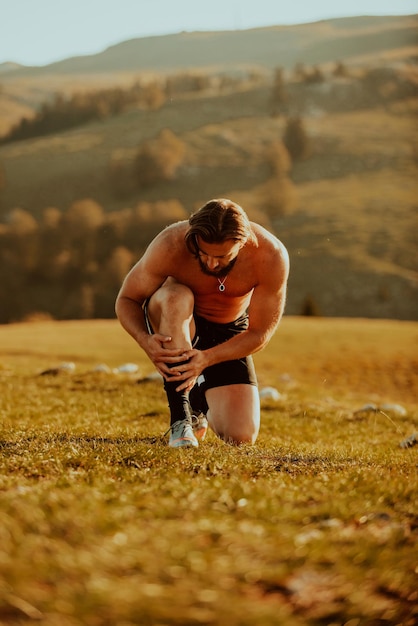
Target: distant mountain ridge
{"type": "Point", "coordinates": [10, 66]}
{"type": "Point", "coordinates": [317, 42]}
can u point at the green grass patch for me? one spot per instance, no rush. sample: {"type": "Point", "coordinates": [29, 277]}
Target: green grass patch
{"type": "Point", "coordinates": [102, 523]}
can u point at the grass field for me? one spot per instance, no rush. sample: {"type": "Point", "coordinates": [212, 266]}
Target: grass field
{"type": "Point", "coordinates": [103, 524]}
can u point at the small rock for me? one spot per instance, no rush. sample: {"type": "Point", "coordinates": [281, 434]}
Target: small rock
{"type": "Point", "coordinates": [367, 408]}
{"type": "Point", "coordinates": [153, 376]}
{"type": "Point", "coordinates": [128, 368]}
{"type": "Point", "coordinates": [102, 367]}
{"type": "Point", "coordinates": [395, 409]}
{"type": "Point", "coordinates": [67, 366]}
{"type": "Point", "coordinates": [269, 393]}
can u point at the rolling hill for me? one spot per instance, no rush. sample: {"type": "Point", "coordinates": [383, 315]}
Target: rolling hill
{"type": "Point", "coordinates": [351, 230]}
{"type": "Point", "coordinates": [359, 40]}
{"type": "Point", "coordinates": [319, 42]}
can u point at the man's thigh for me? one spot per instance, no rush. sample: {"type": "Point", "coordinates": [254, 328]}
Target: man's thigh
{"type": "Point", "coordinates": [234, 412]}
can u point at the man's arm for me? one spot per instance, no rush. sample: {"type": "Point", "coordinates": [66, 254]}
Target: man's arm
{"type": "Point", "coordinates": [142, 281]}
{"type": "Point", "coordinates": [136, 288]}
{"type": "Point", "coordinates": [265, 311]}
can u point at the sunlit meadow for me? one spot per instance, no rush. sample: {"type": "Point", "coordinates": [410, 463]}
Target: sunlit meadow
{"type": "Point", "coordinates": [102, 523]}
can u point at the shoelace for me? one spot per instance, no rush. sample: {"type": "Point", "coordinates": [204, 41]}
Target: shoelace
{"type": "Point", "coordinates": [194, 421]}
{"type": "Point", "coordinates": [172, 425]}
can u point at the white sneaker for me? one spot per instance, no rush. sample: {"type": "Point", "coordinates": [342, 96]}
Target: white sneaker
{"type": "Point", "coordinates": [200, 426]}
{"type": "Point", "coordinates": [182, 436]}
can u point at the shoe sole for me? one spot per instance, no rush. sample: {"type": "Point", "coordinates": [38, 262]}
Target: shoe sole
{"type": "Point", "coordinates": [183, 443]}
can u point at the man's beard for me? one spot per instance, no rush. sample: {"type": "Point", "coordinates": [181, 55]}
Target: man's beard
{"type": "Point", "coordinates": [217, 273]}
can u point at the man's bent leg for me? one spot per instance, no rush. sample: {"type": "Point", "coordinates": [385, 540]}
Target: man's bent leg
{"type": "Point", "coordinates": [170, 312]}
{"type": "Point", "coordinates": [234, 412]}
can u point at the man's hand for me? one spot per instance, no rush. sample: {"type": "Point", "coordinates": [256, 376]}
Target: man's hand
{"type": "Point", "coordinates": [161, 356]}
{"type": "Point", "coordinates": [190, 365]}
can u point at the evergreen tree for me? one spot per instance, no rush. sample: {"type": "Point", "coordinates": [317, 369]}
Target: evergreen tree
{"type": "Point", "coordinates": [159, 159]}
{"type": "Point", "coordinates": [296, 139]}
{"type": "Point", "coordinates": [279, 94]}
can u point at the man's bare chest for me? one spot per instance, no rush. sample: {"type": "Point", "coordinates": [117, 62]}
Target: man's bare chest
{"type": "Point", "coordinates": [237, 283]}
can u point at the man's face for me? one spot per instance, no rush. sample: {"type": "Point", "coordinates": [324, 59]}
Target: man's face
{"type": "Point", "coordinates": [217, 259]}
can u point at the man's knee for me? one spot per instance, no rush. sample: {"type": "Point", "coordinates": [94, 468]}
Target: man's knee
{"type": "Point", "coordinates": [172, 297]}
{"type": "Point", "coordinates": [235, 433]}
{"type": "Point", "coordinates": [239, 438]}
{"type": "Point", "coordinates": [234, 412]}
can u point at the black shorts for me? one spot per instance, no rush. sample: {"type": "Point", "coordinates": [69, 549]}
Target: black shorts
{"type": "Point", "coordinates": [238, 371]}
{"type": "Point", "coordinates": [210, 334]}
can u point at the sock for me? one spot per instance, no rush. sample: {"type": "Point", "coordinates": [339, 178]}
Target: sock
{"type": "Point", "coordinates": [197, 400]}
{"type": "Point", "coordinates": [178, 401]}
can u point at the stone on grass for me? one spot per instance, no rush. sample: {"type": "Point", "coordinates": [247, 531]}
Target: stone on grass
{"type": "Point", "coordinates": [367, 408]}
{"type": "Point", "coordinates": [102, 367]}
{"type": "Point", "coordinates": [63, 368]}
{"type": "Point", "coordinates": [128, 368]}
{"type": "Point", "coordinates": [394, 409]}
{"type": "Point", "coordinates": [269, 393]}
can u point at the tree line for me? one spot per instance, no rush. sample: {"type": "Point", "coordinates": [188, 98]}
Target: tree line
{"type": "Point", "coordinates": [63, 113]}
{"type": "Point", "coordinates": [70, 265]}
{"type": "Point", "coordinates": [288, 95]}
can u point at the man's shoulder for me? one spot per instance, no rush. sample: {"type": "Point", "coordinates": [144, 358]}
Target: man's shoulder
{"type": "Point", "coordinates": [172, 234]}
{"type": "Point", "coordinates": [178, 229]}
{"type": "Point", "coordinates": [266, 240]}
{"type": "Point", "coordinates": [270, 253]}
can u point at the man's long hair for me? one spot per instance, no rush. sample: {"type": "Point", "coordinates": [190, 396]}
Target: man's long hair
{"type": "Point", "coordinates": [218, 221]}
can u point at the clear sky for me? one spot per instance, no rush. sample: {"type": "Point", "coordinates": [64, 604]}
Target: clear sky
{"type": "Point", "coordinates": [38, 32]}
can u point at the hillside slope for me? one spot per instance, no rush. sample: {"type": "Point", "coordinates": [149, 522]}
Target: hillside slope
{"type": "Point", "coordinates": [357, 40]}
{"type": "Point", "coordinates": [351, 235]}
{"type": "Point", "coordinates": [319, 42]}
{"type": "Point", "coordinates": [351, 231]}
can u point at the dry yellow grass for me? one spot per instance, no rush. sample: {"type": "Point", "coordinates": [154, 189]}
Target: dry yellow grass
{"type": "Point", "coordinates": [102, 523]}
{"type": "Point", "coordinates": [365, 359]}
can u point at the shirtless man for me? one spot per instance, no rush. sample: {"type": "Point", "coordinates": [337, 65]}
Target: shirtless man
{"type": "Point", "coordinates": [207, 294]}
